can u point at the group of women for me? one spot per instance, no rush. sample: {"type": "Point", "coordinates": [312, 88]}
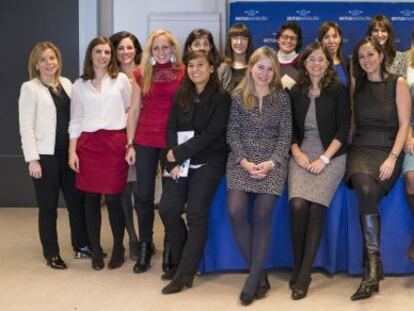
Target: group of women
{"type": "Point", "coordinates": [153, 108]}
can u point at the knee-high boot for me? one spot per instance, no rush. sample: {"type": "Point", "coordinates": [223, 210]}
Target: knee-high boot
{"type": "Point", "coordinates": [372, 263]}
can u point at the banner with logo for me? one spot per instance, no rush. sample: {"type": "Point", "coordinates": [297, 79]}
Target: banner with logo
{"type": "Point", "coordinates": [264, 19]}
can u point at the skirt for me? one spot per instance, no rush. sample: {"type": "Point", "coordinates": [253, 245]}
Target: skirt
{"type": "Point", "coordinates": [408, 163]}
{"type": "Point", "coordinates": [102, 165]}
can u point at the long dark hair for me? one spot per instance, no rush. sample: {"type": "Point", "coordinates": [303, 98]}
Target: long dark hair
{"type": "Point", "coordinates": [116, 38]}
{"type": "Point", "coordinates": [324, 29]}
{"type": "Point", "coordinates": [88, 71]}
{"type": "Point", "coordinates": [359, 73]}
{"type": "Point", "coordinates": [187, 92]}
{"type": "Point", "coordinates": [389, 46]}
{"type": "Point", "coordinates": [238, 29]}
{"type": "Point", "coordinates": [304, 81]}
{"type": "Point", "coordinates": [196, 34]}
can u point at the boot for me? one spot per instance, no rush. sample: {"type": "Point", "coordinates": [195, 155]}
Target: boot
{"type": "Point", "coordinates": [372, 263]}
{"type": "Point", "coordinates": [166, 257]}
{"type": "Point", "coordinates": [146, 250]}
{"type": "Point", "coordinates": [178, 283]}
{"type": "Point", "coordinates": [117, 258]}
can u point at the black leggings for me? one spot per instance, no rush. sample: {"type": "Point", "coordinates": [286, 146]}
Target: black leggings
{"type": "Point", "coordinates": [116, 220]}
{"type": "Point", "coordinates": [307, 224]}
{"type": "Point", "coordinates": [369, 193]}
{"type": "Point", "coordinates": [253, 240]}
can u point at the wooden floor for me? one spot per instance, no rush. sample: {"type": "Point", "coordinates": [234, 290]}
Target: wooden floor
{"type": "Point", "coordinates": [26, 283]}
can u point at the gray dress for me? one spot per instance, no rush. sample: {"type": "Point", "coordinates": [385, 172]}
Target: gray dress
{"type": "Point", "coordinates": [259, 136]}
{"type": "Point", "coordinates": [311, 187]}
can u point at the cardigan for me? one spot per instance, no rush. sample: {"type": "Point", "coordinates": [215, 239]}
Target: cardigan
{"type": "Point", "coordinates": [333, 115]}
{"type": "Point", "coordinates": [37, 118]}
{"type": "Point", "coordinates": [209, 121]}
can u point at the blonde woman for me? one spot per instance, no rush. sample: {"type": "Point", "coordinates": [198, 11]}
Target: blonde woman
{"type": "Point", "coordinates": [156, 80]}
{"type": "Point", "coordinates": [44, 111]}
{"type": "Point", "coordinates": [259, 135]}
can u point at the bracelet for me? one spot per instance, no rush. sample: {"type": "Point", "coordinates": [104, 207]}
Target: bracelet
{"type": "Point", "coordinates": [127, 146]}
{"type": "Point", "coordinates": [325, 159]}
{"type": "Point", "coordinates": [393, 155]}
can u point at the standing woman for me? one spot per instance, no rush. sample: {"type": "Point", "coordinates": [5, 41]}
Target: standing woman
{"type": "Point", "coordinates": [289, 42]}
{"type": "Point", "coordinates": [380, 28]}
{"type": "Point", "coordinates": [44, 111]}
{"type": "Point", "coordinates": [321, 120]}
{"type": "Point", "coordinates": [408, 164]}
{"type": "Point", "coordinates": [156, 81]}
{"type": "Point", "coordinates": [239, 47]}
{"type": "Point", "coordinates": [330, 36]}
{"type": "Point", "coordinates": [128, 55]}
{"type": "Point", "coordinates": [259, 135]}
{"type": "Point", "coordinates": [100, 99]}
{"type": "Point", "coordinates": [201, 39]}
{"type": "Point", "coordinates": [203, 107]}
{"type": "Point", "coordinates": [382, 110]}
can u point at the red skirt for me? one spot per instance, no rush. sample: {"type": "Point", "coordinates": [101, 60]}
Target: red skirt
{"type": "Point", "coordinates": [102, 165]}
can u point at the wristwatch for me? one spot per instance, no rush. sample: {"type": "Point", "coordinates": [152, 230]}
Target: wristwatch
{"type": "Point", "coordinates": [325, 159]}
{"type": "Point", "coordinates": [130, 143]}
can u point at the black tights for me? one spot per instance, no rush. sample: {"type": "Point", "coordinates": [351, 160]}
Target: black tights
{"type": "Point", "coordinates": [369, 193]}
{"type": "Point", "coordinates": [253, 240]}
{"type": "Point", "coordinates": [307, 224]}
{"type": "Point", "coordinates": [116, 220]}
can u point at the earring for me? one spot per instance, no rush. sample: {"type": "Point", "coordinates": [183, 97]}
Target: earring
{"type": "Point", "coordinates": [152, 61]}
{"type": "Point", "coordinates": [173, 58]}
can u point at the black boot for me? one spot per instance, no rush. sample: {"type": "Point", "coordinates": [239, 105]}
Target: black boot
{"type": "Point", "coordinates": [373, 266]}
{"type": "Point", "coordinates": [166, 257]}
{"type": "Point", "coordinates": [178, 283]}
{"type": "Point", "coordinates": [146, 250]}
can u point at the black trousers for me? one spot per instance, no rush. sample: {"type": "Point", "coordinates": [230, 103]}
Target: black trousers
{"type": "Point", "coordinates": [147, 159]}
{"type": "Point", "coordinates": [57, 175]}
{"type": "Point", "coordinates": [197, 190]}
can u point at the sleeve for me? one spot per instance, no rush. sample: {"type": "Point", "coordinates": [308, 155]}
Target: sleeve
{"type": "Point", "coordinates": [281, 152]}
{"type": "Point", "coordinates": [27, 119]}
{"type": "Point", "coordinates": [343, 114]}
{"type": "Point", "coordinates": [76, 111]}
{"type": "Point", "coordinates": [234, 128]}
{"type": "Point", "coordinates": [293, 96]}
{"type": "Point", "coordinates": [215, 128]}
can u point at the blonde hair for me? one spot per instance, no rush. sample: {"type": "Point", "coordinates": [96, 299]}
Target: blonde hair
{"type": "Point", "coordinates": [247, 87]}
{"type": "Point", "coordinates": [35, 55]}
{"type": "Point", "coordinates": [146, 66]}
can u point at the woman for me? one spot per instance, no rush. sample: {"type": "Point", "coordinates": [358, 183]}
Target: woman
{"type": "Point", "coordinates": [289, 42]}
{"type": "Point", "coordinates": [380, 28]}
{"type": "Point", "coordinates": [330, 36]}
{"type": "Point", "coordinates": [203, 108]}
{"type": "Point", "coordinates": [239, 47]}
{"type": "Point", "coordinates": [408, 164]}
{"type": "Point", "coordinates": [44, 109]}
{"type": "Point", "coordinates": [382, 112]}
{"type": "Point", "coordinates": [201, 39]}
{"type": "Point", "coordinates": [259, 135]}
{"type": "Point", "coordinates": [156, 81]}
{"type": "Point", "coordinates": [321, 121]}
{"type": "Point", "coordinates": [128, 55]}
{"type": "Point", "coordinates": [100, 99]}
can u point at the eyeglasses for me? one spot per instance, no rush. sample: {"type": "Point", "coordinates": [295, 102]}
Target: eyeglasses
{"type": "Point", "coordinates": [239, 38]}
{"type": "Point", "coordinates": [316, 60]}
{"type": "Point", "coordinates": [286, 38]}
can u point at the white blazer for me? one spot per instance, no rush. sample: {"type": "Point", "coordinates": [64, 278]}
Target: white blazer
{"type": "Point", "coordinates": [37, 118]}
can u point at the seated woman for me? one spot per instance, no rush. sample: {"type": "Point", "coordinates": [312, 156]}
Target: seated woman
{"type": "Point", "coordinates": [259, 135]}
{"type": "Point", "coordinates": [382, 110]}
{"type": "Point", "coordinates": [321, 121]}
{"type": "Point", "coordinates": [201, 107]}
{"type": "Point", "coordinates": [239, 47]}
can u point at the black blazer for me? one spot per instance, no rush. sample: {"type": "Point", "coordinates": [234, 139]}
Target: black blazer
{"type": "Point", "coordinates": [333, 115]}
{"type": "Point", "coordinates": [208, 119]}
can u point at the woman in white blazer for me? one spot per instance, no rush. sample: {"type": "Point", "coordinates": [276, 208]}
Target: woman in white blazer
{"type": "Point", "coordinates": [44, 113]}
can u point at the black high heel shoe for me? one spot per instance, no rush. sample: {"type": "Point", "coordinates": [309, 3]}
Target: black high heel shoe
{"type": "Point", "coordinates": [301, 292]}
{"type": "Point", "coordinates": [170, 274]}
{"type": "Point", "coordinates": [246, 299]}
{"type": "Point", "coordinates": [262, 288]}
{"type": "Point", "coordinates": [56, 262]}
{"type": "Point", "coordinates": [117, 259]}
{"type": "Point", "coordinates": [97, 262]}
{"type": "Point", "coordinates": [178, 284]}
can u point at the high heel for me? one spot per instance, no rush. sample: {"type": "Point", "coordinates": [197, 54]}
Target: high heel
{"type": "Point", "coordinates": [146, 250]}
{"type": "Point", "coordinates": [263, 287]}
{"type": "Point", "coordinates": [97, 262]}
{"type": "Point", "coordinates": [300, 292]}
{"type": "Point", "coordinates": [56, 262]}
{"type": "Point", "coordinates": [117, 259]}
{"type": "Point", "coordinates": [178, 284]}
{"type": "Point", "coordinates": [246, 298]}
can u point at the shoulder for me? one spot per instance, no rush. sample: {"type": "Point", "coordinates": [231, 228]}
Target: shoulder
{"type": "Point", "coordinates": [122, 77]}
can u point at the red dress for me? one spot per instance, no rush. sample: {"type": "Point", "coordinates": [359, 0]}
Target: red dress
{"type": "Point", "coordinates": [157, 104]}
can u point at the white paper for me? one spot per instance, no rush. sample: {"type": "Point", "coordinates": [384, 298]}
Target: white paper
{"type": "Point", "coordinates": [182, 137]}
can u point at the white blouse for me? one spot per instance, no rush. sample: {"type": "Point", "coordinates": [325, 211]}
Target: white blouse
{"type": "Point", "coordinates": [91, 110]}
